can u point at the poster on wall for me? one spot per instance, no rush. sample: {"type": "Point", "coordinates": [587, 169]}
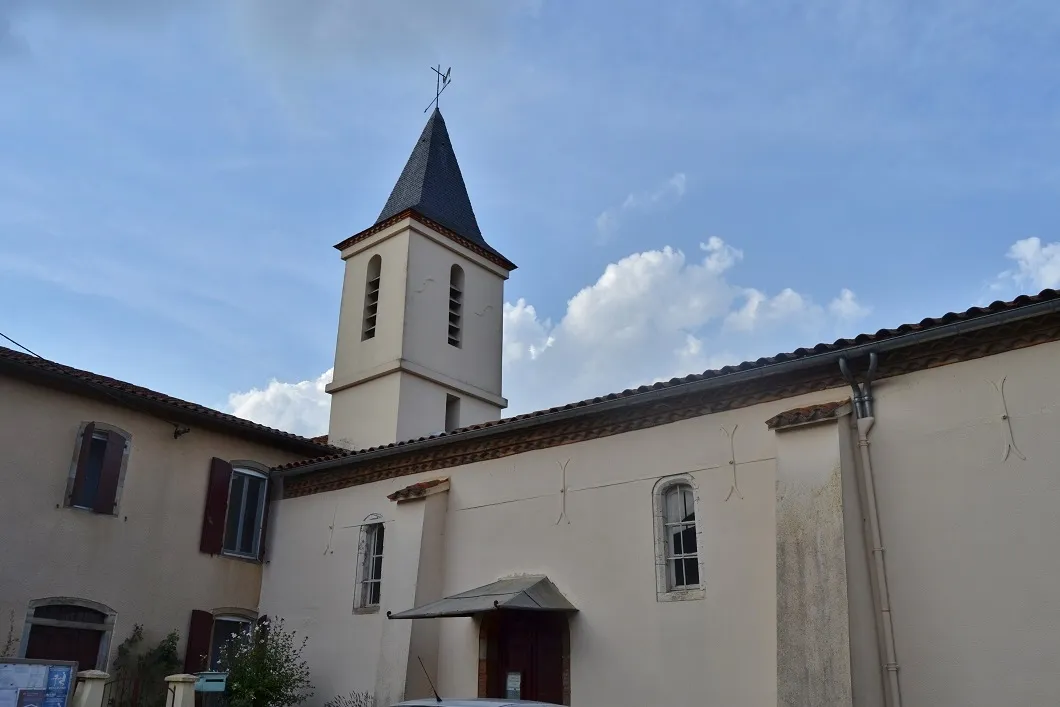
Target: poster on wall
{"type": "Point", "coordinates": [36, 683]}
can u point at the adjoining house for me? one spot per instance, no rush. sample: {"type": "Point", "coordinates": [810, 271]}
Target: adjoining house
{"type": "Point", "coordinates": [867, 522]}
{"type": "Point", "coordinates": [104, 489]}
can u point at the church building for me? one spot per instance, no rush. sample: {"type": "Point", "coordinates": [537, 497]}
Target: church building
{"type": "Point", "coordinates": [868, 522]}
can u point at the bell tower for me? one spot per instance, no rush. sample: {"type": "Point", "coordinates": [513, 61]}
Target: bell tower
{"type": "Point", "coordinates": [420, 324]}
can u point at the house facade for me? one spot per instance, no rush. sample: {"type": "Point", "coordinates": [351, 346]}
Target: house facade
{"type": "Point", "coordinates": [122, 506]}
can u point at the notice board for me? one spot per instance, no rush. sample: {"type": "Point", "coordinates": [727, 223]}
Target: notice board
{"type": "Point", "coordinates": [36, 683]}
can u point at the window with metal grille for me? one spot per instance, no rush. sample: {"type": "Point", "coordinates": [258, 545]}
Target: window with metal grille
{"type": "Point", "coordinates": [371, 297]}
{"type": "Point", "coordinates": [370, 569]}
{"type": "Point", "coordinates": [679, 527]}
{"type": "Point", "coordinates": [456, 306]}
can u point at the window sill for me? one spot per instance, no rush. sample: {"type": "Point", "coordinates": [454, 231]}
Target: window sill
{"type": "Point", "coordinates": [252, 559]}
{"type": "Point", "coordinates": [90, 511]}
{"type": "Point", "coordinates": [682, 595]}
{"type": "Point", "coordinates": [373, 609]}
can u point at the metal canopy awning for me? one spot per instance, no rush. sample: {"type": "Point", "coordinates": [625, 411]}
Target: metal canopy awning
{"type": "Point", "coordinates": [534, 593]}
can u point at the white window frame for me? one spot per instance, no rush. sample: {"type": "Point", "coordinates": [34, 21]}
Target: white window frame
{"type": "Point", "coordinates": [664, 589]}
{"type": "Point", "coordinates": [244, 470]}
{"type": "Point", "coordinates": [366, 556]}
{"type": "Point", "coordinates": [232, 618]}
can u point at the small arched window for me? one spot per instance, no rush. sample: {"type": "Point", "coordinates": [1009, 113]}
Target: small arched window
{"type": "Point", "coordinates": [371, 297]}
{"type": "Point", "coordinates": [369, 565]}
{"type": "Point", "coordinates": [677, 540]}
{"type": "Point", "coordinates": [456, 305]}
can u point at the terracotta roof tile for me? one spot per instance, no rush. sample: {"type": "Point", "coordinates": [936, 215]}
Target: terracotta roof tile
{"type": "Point", "coordinates": [838, 345]}
{"type": "Point", "coordinates": [804, 415]}
{"type": "Point", "coordinates": [416, 490]}
{"type": "Point", "coordinates": [84, 382]}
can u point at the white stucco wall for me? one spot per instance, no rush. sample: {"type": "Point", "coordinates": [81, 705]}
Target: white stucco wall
{"type": "Point", "coordinates": [503, 518]}
{"type": "Point", "coordinates": [144, 563]}
{"type": "Point", "coordinates": [813, 649]}
{"type": "Point", "coordinates": [364, 388]}
{"type": "Point", "coordinates": [970, 536]}
{"type": "Point", "coordinates": [478, 361]}
{"type": "Point", "coordinates": [392, 387]}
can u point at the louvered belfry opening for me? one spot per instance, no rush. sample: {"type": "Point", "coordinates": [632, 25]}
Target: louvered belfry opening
{"type": "Point", "coordinates": [456, 306]}
{"type": "Point", "coordinates": [371, 297]}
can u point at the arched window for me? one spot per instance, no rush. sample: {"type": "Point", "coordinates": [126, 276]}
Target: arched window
{"type": "Point", "coordinates": [677, 540]}
{"type": "Point", "coordinates": [371, 297]}
{"type": "Point", "coordinates": [368, 591]}
{"type": "Point", "coordinates": [456, 305]}
{"type": "Point", "coordinates": [65, 628]}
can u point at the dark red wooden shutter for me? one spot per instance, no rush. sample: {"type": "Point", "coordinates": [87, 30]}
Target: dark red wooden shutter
{"type": "Point", "coordinates": [265, 520]}
{"type": "Point", "coordinates": [263, 628]}
{"type": "Point", "coordinates": [106, 494]}
{"type": "Point", "coordinates": [200, 633]}
{"type": "Point", "coordinates": [213, 518]}
{"type": "Point", "coordinates": [82, 460]}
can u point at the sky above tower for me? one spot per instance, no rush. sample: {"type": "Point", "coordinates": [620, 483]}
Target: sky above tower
{"type": "Point", "coordinates": [684, 184]}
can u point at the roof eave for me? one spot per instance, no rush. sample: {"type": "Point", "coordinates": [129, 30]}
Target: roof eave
{"type": "Point", "coordinates": [164, 411]}
{"type": "Point", "coordinates": [899, 341]}
{"type": "Point", "coordinates": [486, 252]}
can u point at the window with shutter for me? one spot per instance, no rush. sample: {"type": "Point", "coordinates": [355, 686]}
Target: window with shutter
{"type": "Point", "coordinates": [236, 514]}
{"type": "Point", "coordinates": [98, 470]}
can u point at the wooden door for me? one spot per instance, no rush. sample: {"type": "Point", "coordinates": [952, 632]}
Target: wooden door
{"type": "Point", "coordinates": [60, 643]}
{"type": "Point", "coordinates": [527, 644]}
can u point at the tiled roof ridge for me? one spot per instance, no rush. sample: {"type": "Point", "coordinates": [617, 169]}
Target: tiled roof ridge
{"type": "Point", "coordinates": [114, 388]}
{"type": "Point", "coordinates": [838, 345]}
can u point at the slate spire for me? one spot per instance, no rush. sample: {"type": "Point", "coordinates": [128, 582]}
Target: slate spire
{"type": "Point", "coordinates": [432, 185]}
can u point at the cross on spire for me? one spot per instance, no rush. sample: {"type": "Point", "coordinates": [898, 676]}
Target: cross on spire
{"type": "Point", "coordinates": [440, 82]}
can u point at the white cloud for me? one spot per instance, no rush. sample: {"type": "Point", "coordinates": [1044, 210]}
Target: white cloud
{"type": "Point", "coordinates": [667, 193]}
{"type": "Point", "coordinates": [1037, 265]}
{"type": "Point", "coordinates": [302, 407]}
{"type": "Point", "coordinates": [655, 315]}
{"type": "Point", "coordinates": [651, 316]}
{"type": "Point", "coordinates": [846, 306]}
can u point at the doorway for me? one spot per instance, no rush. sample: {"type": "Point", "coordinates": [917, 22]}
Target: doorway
{"type": "Point", "coordinates": [527, 656]}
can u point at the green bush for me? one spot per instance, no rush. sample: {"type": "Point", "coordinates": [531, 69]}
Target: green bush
{"type": "Point", "coordinates": [265, 667]}
{"type": "Point", "coordinates": [140, 675]}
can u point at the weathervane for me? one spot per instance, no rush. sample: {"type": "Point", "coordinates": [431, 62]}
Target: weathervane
{"type": "Point", "coordinates": [440, 82]}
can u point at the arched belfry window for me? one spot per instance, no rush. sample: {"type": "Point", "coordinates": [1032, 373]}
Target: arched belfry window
{"type": "Point", "coordinates": [677, 540]}
{"type": "Point", "coordinates": [456, 305]}
{"type": "Point", "coordinates": [371, 297]}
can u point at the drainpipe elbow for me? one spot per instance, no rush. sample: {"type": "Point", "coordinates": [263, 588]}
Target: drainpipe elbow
{"type": "Point", "coordinates": [865, 425]}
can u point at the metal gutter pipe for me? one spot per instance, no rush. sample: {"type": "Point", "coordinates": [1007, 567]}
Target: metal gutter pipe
{"type": "Point", "coordinates": [885, 625]}
{"type": "Point", "coordinates": [893, 343]}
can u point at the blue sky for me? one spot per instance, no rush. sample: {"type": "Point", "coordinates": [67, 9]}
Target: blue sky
{"type": "Point", "coordinates": [683, 183]}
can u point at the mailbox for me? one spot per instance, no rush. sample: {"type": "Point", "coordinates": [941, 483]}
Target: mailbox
{"type": "Point", "coordinates": [211, 682]}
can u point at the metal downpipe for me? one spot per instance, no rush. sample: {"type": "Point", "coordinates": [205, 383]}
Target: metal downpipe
{"type": "Point", "coordinates": [864, 410]}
